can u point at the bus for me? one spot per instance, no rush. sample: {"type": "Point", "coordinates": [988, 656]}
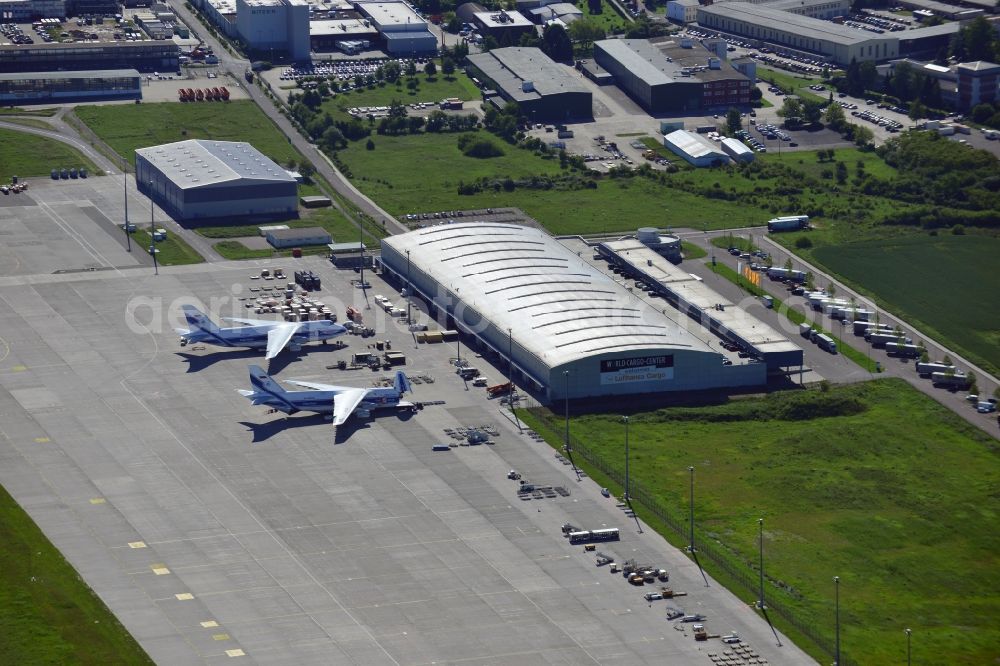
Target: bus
{"type": "Point", "coordinates": [585, 536]}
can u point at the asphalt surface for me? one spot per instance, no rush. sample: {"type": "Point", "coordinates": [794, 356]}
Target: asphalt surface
{"type": "Point", "coordinates": [215, 530]}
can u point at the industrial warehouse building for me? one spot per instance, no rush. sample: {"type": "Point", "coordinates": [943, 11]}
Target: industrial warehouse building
{"type": "Point", "coordinates": [205, 179]}
{"type": "Point", "coordinates": [527, 298]}
{"type": "Point", "coordinates": [32, 87]}
{"type": "Point", "coordinates": [840, 43]}
{"type": "Point", "coordinates": [695, 149]}
{"type": "Point", "coordinates": [299, 237]}
{"type": "Point", "coordinates": [543, 89]}
{"type": "Point", "coordinates": [672, 76]}
{"type": "Point", "coordinates": [148, 56]}
{"type": "Point", "coordinates": [403, 30]}
{"type": "Point", "coordinates": [275, 24]}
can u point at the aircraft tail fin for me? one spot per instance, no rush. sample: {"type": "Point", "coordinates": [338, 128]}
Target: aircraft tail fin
{"type": "Point", "coordinates": [402, 384]}
{"type": "Point", "coordinates": [199, 321]}
{"type": "Point", "coordinates": [262, 382]}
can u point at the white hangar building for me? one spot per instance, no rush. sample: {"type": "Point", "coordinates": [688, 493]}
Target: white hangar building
{"type": "Point", "coordinates": [526, 297]}
{"type": "Point", "coordinates": [200, 178]}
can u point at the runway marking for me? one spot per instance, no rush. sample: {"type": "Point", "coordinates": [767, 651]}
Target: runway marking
{"type": "Point", "coordinates": [160, 569]}
{"type": "Point", "coordinates": [6, 349]}
{"type": "Point", "coordinates": [235, 653]}
{"type": "Point", "coordinates": [220, 637]}
{"type": "Point", "coordinates": [98, 500]}
{"type": "Point", "coordinates": [136, 544]}
{"type": "Point", "coordinates": [184, 596]}
{"type": "Point", "coordinates": [208, 624]}
{"type": "Point", "coordinates": [83, 242]}
{"type": "Point", "coordinates": [19, 368]}
{"type": "Point", "coordinates": [42, 440]}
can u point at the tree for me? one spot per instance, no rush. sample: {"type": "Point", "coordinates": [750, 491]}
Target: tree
{"type": "Point", "coordinates": [454, 25]}
{"type": "Point", "coordinates": [978, 38]}
{"type": "Point", "coordinates": [733, 120]}
{"type": "Point", "coordinates": [489, 43]}
{"type": "Point", "coordinates": [586, 31]}
{"type": "Point", "coordinates": [788, 264]}
{"type": "Point", "coordinates": [370, 145]}
{"type": "Point", "coordinates": [917, 110]}
{"type": "Point", "coordinates": [841, 173]}
{"type": "Point", "coordinates": [595, 6]}
{"type": "Point", "coordinates": [436, 121]}
{"type": "Point", "coordinates": [982, 112]}
{"type": "Point", "coordinates": [411, 68]}
{"type": "Point", "coordinates": [812, 111]}
{"type": "Point", "coordinates": [307, 171]}
{"type": "Point", "coordinates": [331, 140]}
{"type": "Point", "coordinates": [430, 69]}
{"type": "Point", "coordinates": [391, 71]}
{"type": "Point", "coordinates": [447, 67]}
{"type": "Point", "coordinates": [556, 43]}
{"type": "Point", "coordinates": [834, 117]}
{"type": "Point", "coordinates": [792, 108]}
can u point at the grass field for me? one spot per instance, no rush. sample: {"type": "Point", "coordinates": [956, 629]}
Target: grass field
{"type": "Point", "coordinates": [873, 482]}
{"type": "Point", "coordinates": [231, 249]}
{"type": "Point", "coordinates": [946, 285]}
{"type": "Point", "coordinates": [608, 18]}
{"type": "Point", "coordinates": [430, 90]}
{"type": "Point", "coordinates": [130, 126]}
{"type": "Point", "coordinates": [387, 174]}
{"type": "Point", "coordinates": [29, 122]}
{"type": "Point", "coordinates": [30, 156]}
{"type": "Point", "coordinates": [18, 111]}
{"type": "Point", "coordinates": [47, 614]}
{"type": "Point", "coordinates": [797, 84]}
{"type": "Point", "coordinates": [173, 251]}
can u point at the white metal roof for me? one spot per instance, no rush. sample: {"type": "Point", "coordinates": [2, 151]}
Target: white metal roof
{"type": "Point", "coordinates": [201, 163]}
{"type": "Point", "coordinates": [558, 307]}
{"type": "Point", "coordinates": [693, 145]}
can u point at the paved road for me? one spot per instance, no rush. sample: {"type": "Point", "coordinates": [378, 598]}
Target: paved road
{"type": "Point", "coordinates": [236, 66]}
{"type": "Point", "coordinates": [892, 366]}
{"type": "Point", "coordinates": [64, 133]}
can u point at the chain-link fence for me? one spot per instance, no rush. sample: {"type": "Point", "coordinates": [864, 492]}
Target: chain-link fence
{"type": "Point", "coordinates": [708, 547]}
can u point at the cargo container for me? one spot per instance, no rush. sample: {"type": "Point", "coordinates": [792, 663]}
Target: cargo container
{"type": "Point", "coordinates": [866, 327]}
{"type": "Point", "coordinates": [824, 341]}
{"type": "Point", "coordinates": [776, 273]}
{"type": "Point", "coordinates": [952, 379]}
{"type": "Point", "coordinates": [788, 223]}
{"type": "Point", "coordinates": [804, 330]}
{"type": "Point", "coordinates": [928, 369]}
{"type": "Point", "coordinates": [904, 350]}
{"type": "Point", "coordinates": [880, 339]}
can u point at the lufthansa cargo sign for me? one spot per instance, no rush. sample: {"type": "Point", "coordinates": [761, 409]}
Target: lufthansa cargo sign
{"type": "Point", "coordinates": [637, 369]}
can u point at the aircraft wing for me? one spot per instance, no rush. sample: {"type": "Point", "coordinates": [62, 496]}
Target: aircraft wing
{"type": "Point", "coordinates": [313, 386]}
{"type": "Point", "coordinates": [278, 337]}
{"type": "Point", "coordinates": [344, 404]}
{"type": "Point", "coordinates": [252, 322]}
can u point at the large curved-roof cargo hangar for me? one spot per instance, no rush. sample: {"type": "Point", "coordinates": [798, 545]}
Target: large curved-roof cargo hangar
{"type": "Point", "coordinates": [526, 297]}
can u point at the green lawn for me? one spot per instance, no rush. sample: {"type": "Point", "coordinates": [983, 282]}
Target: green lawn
{"type": "Point", "coordinates": [130, 126]}
{"type": "Point", "coordinates": [692, 251]}
{"type": "Point", "coordinates": [387, 174]}
{"type": "Point", "coordinates": [172, 252]}
{"type": "Point", "coordinates": [946, 285]}
{"type": "Point", "coordinates": [30, 156]}
{"type": "Point", "coordinates": [18, 111]}
{"type": "Point", "coordinates": [231, 249]}
{"type": "Point", "coordinates": [872, 482]}
{"type": "Point", "coordinates": [608, 18]}
{"type": "Point", "coordinates": [48, 615]}
{"type": "Point", "coordinates": [790, 82]}
{"type": "Point", "coordinates": [429, 90]}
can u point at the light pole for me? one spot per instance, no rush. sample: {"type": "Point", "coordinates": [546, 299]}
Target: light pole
{"type": "Point", "coordinates": [152, 230]}
{"type": "Point", "coordinates": [836, 587]}
{"type": "Point", "coordinates": [128, 236]}
{"type": "Point", "coordinates": [908, 632]}
{"type": "Point", "coordinates": [566, 405]}
{"type": "Point", "coordinates": [691, 502]}
{"type": "Point", "coordinates": [627, 497]}
{"type": "Point", "coordinates": [760, 533]}
{"type": "Point", "coordinates": [409, 287]}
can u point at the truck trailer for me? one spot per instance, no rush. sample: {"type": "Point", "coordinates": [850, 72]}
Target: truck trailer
{"type": "Point", "coordinates": [904, 350]}
{"type": "Point", "coordinates": [928, 369]}
{"type": "Point", "coordinates": [950, 379]}
{"type": "Point", "coordinates": [788, 223]}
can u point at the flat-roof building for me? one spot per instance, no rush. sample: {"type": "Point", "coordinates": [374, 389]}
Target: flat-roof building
{"type": "Point", "coordinates": [298, 237]}
{"type": "Point", "coordinates": [683, 11]}
{"type": "Point", "coordinates": [282, 25]}
{"type": "Point", "coordinates": [147, 56]}
{"type": "Point", "coordinates": [672, 76]}
{"type": "Point", "coordinates": [978, 83]}
{"type": "Point", "coordinates": [544, 90]}
{"type": "Point", "coordinates": [737, 150]}
{"type": "Point", "coordinates": [840, 43]}
{"type": "Point", "coordinates": [518, 294]}
{"type": "Point", "coordinates": [695, 149]}
{"type": "Point", "coordinates": [202, 178]}
{"type": "Point", "coordinates": [403, 30]}
{"type": "Point", "coordinates": [34, 87]}
{"type": "Point", "coordinates": [503, 25]}
{"type": "Point", "coordinates": [819, 9]}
